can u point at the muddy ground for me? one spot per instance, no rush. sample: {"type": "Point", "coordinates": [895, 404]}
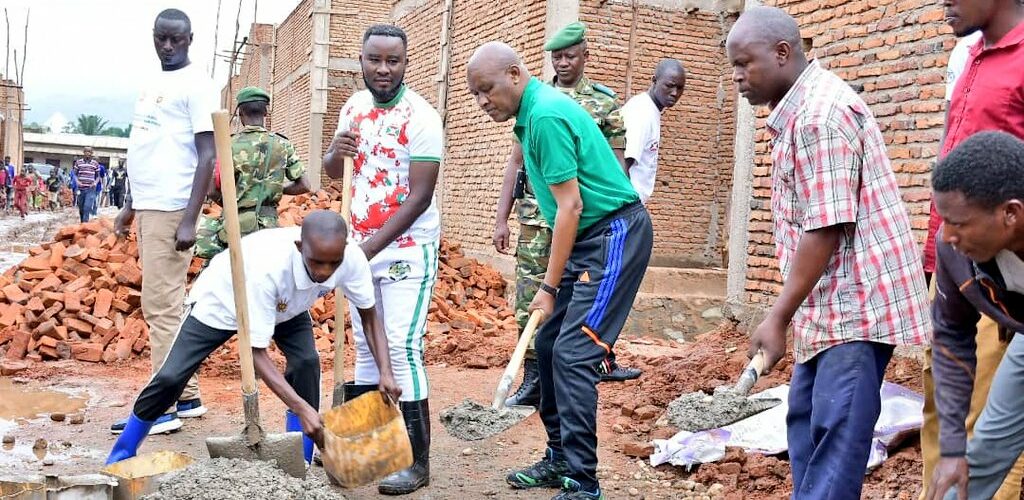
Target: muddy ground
{"type": "Point", "coordinates": [630, 415]}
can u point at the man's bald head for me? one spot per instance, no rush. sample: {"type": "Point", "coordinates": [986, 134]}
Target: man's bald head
{"type": "Point", "coordinates": [668, 83]}
{"type": "Point", "coordinates": [322, 243]}
{"type": "Point", "coordinates": [497, 78]}
{"type": "Point", "coordinates": [766, 53]}
{"type": "Point", "coordinates": [666, 66]}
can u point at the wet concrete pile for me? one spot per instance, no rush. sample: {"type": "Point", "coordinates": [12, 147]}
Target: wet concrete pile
{"type": "Point", "coordinates": [232, 479]}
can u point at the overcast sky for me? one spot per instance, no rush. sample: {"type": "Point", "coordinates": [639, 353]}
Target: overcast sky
{"type": "Point", "coordinates": [91, 56]}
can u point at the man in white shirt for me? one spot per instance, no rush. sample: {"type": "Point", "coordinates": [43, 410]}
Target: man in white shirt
{"type": "Point", "coordinates": [396, 139]}
{"type": "Point", "coordinates": [170, 166]}
{"type": "Point", "coordinates": [286, 271]}
{"type": "Point", "coordinates": [642, 116]}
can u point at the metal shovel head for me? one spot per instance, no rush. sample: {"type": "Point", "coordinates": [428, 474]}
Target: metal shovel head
{"type": "Point", "coordinates": [698, 411]}
{"type": "Point", "coordinates": [284, 449]}
{"type": "Point", "coordinates": [472, 421]}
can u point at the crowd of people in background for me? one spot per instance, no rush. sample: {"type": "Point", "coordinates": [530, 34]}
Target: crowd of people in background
{"type": "Point", "coordinates": [87, 185]}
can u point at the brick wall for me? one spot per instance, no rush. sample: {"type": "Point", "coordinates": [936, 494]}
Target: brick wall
{"type": "Point", "coordinates": [894, 53]}
{"type": "Point", "coordinates": [689, 204]}
{"type": "Point", "coordinates": [423, 26]}
{"type": "Point", "coordinates": [477, 147]}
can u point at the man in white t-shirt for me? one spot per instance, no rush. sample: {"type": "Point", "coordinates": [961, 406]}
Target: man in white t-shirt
{"type": "Point", "coordinates": [170, 166]}
{"type": "Point", "coordinates": [396, 139]}
{"type": "Point", "coordinates": [286, 271]}
{"type": "Point", "coordinates": [642, 116]}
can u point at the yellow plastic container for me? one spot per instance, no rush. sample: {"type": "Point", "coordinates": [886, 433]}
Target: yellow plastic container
{"type": "Point", "coordinates": [140, 475]}
{"type": "Point", "coordinates": [364, 440]}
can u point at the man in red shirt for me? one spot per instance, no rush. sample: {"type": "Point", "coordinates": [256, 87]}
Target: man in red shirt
{"type": "Point", "coordinates": [987, 96]}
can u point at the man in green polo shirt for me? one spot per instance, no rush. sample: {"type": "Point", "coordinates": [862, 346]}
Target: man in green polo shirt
{"type": "Point", "coordinates": [600, 245]}
{"type": "Point", "coordinates": [569, 56]}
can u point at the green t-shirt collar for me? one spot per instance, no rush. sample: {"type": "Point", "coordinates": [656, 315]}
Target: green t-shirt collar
{"type": "Point", "coordinates": [393, 101]}
{"type": "Point", "coordinates": [526, 102]}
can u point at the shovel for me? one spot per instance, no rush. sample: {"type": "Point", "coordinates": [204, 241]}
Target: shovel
{"type": "Point", "coordinates": [698, 411]}
{"type": "Point", "coordinates": [472, 421]}
{"type": "Point", "coordinates": [253, 443]}
{"type": "Point", "coordinates": [338, 397]}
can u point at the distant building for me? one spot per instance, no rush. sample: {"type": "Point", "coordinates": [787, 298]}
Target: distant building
{"type": "Point", "coordinates": [61, 150]}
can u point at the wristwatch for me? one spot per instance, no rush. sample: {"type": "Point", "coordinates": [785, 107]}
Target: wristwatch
{"type": "Point", "coordinates": [549, 289]}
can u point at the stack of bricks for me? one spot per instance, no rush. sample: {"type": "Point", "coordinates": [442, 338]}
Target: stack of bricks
{"type": "Point", "coordinates": [894, 54]}
{"type": "Point", "coordinates": [77, 297]}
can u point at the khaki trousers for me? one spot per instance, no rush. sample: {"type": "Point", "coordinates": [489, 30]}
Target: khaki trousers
{"type": "Point", "coordinates": [164, 271]}
{"type": "Point", "coordinates": [990, 352]}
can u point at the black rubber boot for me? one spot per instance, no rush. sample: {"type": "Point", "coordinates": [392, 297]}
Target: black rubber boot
{"type": "Point", "coordinates": [528, 393]}
{"type": "Point", "coordinates": [417, 423]}
{"type": "Point", "coordinates": [353, 391]}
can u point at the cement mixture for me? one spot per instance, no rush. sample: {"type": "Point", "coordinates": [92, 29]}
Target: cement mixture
{"type": "Point", "coordinates": [233, 479]}
{"type": "Point", "coordinates": [472, 421]}
{"type": "Point", "coordinates": [697, 411]}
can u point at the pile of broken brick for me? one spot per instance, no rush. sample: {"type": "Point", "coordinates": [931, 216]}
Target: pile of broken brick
{"type": "Point", "coordinates": [79, 296]}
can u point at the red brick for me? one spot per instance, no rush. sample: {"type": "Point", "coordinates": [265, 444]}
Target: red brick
{"type": "Point", "coordinates": [18, 347]}
{"type": "Point", "coordinates": [104, 299]}
{"type": "Point", "coordinates": [15, 294]}
{"type": "Point", "coordinates": [89, 352]}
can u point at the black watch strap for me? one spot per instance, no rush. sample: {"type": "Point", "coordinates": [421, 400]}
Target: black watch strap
{"type": "Point", "coordinates": [549, 289]}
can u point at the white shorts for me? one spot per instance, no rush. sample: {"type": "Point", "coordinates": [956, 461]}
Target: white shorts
{"type": "Point", "coordinates": [404, 282]}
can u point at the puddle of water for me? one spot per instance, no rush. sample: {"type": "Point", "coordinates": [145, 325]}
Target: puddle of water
{"type": "Point", "coordinates": [16, 455]}
{"type": "Point", "coordinates": [21, 401]}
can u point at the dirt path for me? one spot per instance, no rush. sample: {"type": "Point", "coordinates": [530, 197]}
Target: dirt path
{"type": "Point", "coordinates": [459, 468]}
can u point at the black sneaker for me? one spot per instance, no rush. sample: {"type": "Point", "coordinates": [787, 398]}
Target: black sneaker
{"type": "Point", "coordinates": [572, 490]}
{"type": "Point", "coordinates": [613, 372]}
{"type": "Point", "coordinates": [547, 473]}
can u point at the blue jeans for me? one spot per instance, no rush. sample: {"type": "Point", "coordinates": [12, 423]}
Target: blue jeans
{"type": "Point", "coordinates": [86, 201]}
{"type": "Point", "coordinates": [834, 403]}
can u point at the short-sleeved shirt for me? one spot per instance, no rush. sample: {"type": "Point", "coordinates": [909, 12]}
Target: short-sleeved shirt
{"type": "Point", "coordinates": [276, 282]}
{"type": "Point", "coordinates": [162, 156]}
{"type": "Point", "coordinates": [603, 105]}
{"type": "Point", "coordinates": [643, 136]}
{"type": "Point", "coordinates": [958, 61]}
{"type": "Point", "coordinates": [264, 163]}
{"type": "Point", "coordinates": [989, 95]}
{"type": "Point", "coordinates": [561, 142]}
{"type": "Point", "coordinates": [392, 136]}
{"type": "Point", "coordinates": [830, 167]}
{"type": "Point", "coordinates": [87, 172]}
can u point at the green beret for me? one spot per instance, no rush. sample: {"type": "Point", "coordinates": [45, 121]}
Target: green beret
{"type": "Point", "coordinates": [250, 94]}
{"type": "Point", "coordinates": [567, 36]}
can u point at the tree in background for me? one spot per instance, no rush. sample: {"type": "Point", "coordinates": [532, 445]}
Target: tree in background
{"type": "Point", "coordinates": [118, 131]}
{"type": "Point", "coordinates": [36, 127]}
{"type": "Point", "coordinates": [88, 125]}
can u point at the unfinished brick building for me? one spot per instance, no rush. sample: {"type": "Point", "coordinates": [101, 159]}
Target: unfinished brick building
{"type": "Point", "coordinates": [711, 201]}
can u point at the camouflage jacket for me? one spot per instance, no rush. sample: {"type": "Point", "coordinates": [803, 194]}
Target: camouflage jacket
{"type": "Point", "coordinates": [264, 163]}
{"type": "Point", "coordinates": [603, 105]}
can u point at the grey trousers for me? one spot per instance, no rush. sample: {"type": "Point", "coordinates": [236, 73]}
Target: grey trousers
{"type": "Point", "coordinates": [999, 433]}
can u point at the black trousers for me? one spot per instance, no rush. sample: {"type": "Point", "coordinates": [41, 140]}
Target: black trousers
{"type": "Point", "coordinates": [195, 341]}
{"type": "Point", "coordinates": [601, 280]}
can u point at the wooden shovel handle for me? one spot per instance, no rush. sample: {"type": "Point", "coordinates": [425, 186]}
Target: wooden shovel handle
{"type": "Point", "coordinates": [339, 296]}
{"type": "Point", "coordinates": [505, 384]}
{"type": "Point", "coordinates": [751, 373]}
{"type": "Point", "coordinates": [222, 139]}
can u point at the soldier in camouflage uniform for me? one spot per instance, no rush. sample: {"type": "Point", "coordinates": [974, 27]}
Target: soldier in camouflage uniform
{"type": "Point", "coordinates": [266, 167]}
{"type": "Point", "coordinates": [568, 57]}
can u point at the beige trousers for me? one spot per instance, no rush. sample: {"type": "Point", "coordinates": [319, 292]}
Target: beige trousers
{"type": "Point", "coordinates": [164, 271]}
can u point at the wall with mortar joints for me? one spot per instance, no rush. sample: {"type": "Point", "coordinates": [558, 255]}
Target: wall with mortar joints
{"type": "Point", "coordinates": [423, 26]}
{"type": "Point", "coordinates": [688, 207]}
{"type": "Point", "coordinates": [894, 53]}
{"type": "Point", "coordinates": [478, 148]}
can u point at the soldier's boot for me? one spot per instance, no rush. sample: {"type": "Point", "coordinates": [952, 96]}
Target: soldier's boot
{"type": "Point", "coordinates": [528, 393]}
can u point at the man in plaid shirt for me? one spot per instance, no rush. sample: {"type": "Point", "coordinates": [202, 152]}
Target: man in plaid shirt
{"type": "Point", "coordinates": [851, 269]}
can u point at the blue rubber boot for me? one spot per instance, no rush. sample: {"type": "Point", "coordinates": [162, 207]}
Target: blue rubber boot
{"type": "Point", "coordinates": [292, 424]}
{"type": "Point", "coordinates": [135, 431]}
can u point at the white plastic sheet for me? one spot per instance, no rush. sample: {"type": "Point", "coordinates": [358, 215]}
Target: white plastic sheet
{"type": "Point", "coordinates": [765, 432]}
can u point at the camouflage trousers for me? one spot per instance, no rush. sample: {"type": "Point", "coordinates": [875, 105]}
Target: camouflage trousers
{"type": "Point", "coordinates": [211, 237]}
{"type": "Point", "coordinates": [532, 252]}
